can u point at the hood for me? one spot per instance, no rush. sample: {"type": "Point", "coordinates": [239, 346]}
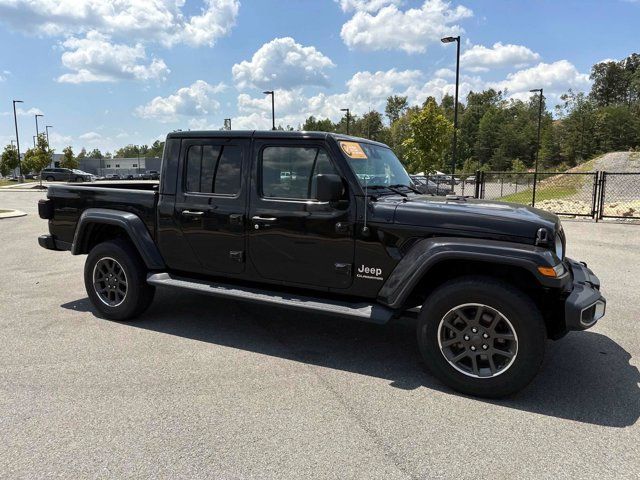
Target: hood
{"type": "Point", "coordinates": [472, 215]}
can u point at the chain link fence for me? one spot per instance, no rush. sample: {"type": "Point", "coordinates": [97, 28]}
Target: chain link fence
{"type": "Point", "coordinates": [596, 195]}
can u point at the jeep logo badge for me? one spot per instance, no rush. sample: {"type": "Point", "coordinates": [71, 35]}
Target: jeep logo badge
{"type": "Point", "coordinates": [370, 273]}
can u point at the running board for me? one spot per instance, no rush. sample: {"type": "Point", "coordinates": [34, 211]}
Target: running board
{"type": "Point", "coordinates": [366, 312]}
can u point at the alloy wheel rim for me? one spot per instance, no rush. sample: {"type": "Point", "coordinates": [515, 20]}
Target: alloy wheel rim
{"type": "Point", "coordinates": [477, 340]}
{"type": "Point", "coordinates": [110, 282]}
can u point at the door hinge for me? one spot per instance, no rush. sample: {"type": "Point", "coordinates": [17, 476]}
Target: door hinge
{"type": "Point", "coordinates": [237, 255]}
{"type": "Point", "coordinates": [343, 268]}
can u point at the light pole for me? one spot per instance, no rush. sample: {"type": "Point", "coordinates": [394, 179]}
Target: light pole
{"type": "Point", "coordinates": [37, 132]}
{"type": "Point", "coordinates": [539, 91]}
{"type": "Point", "coordinates": [227, 124]}
{"type": "Point", "coordinates": [15, 121]}
{"type": "Point", "coordinates": [273, 108]}
{"type": "Point", "coordinates": [455, 108]}
{"type": "Point", "coordinates": [47, 127]}
{"type": "Point", "coordinates": [34, 141]}
{"type": "Point", "coordinates": [348, 115]}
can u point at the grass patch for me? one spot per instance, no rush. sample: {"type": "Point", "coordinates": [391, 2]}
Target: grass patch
{"type": "Point", "coordinates": [541, 194]}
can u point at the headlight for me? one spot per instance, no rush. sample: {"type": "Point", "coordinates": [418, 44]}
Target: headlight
{"type": "Point", "coordinates": [559, 247]}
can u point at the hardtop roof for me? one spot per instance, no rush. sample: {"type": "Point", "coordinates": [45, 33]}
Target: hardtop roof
{"type": "Point", "coordinates": [268, 134]}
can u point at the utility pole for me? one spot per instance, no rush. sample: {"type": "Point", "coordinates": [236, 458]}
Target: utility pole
{"type": "Point", "coordinates": [15, 121]}
{"type": "Point", "coordinates": [535, 168]}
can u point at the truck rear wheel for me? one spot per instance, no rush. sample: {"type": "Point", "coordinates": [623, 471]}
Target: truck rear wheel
{"type": "Point", "coordinates": [481, 336]}
{"type": "Point", "coordinates": [115, 280]}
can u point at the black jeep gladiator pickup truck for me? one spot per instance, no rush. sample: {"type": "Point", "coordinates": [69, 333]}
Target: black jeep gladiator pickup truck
{"type": "Point", "coordinates": [330, 223]}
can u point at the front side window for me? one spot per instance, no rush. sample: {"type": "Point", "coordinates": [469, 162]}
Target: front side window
{"type": "Point", "coordinates": [375, 165]}
{"type": "Point", "coordinates": [213, 169]}
{"type": "Point", "coordinates": [292, 172]}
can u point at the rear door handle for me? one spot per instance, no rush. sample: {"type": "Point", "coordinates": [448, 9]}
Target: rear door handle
{"type": "Point", "coordinates": [192, 213]}
{"type": "Point", "coordinates": [264, 221]}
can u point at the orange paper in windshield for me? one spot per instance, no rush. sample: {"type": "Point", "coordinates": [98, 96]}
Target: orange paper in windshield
{"type": "Point", "coordinates": [353, 150]}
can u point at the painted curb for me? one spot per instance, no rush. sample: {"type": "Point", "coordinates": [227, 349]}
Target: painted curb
{"type": "Point", "coordinates": [12, 214]}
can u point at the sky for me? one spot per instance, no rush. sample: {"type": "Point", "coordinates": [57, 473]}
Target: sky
{"type": "Point", "coordinates": [107, 73]}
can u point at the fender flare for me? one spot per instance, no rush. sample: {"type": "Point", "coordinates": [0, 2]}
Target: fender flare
{"type": "Point", "coordinates": [427, 253]}
{"type": "Point", "coordinates": [133, 226]}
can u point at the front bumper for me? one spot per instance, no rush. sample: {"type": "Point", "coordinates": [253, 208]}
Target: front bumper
{"type": "Point", "coordinates": [585, 305]}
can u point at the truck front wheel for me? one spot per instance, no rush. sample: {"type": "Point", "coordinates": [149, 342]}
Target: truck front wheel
{"type": "Point", "coordinates": [115, 280]}
{"type": "Point", "coordinates": [481, 336]}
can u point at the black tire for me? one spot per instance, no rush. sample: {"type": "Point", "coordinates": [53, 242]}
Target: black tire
{"type": "Point", "coordinates": [50, 179]}
{"type": "Point", "coordinates": [441, 322]}
{"type": "Point", "coordinates": [79, 179]}
{"type": "Point", "coordinates": [138, 293]}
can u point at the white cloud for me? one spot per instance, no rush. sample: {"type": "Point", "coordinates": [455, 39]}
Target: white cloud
{"type": "Point", "coordinates": [90, 136]}
{"type": "Point", "coordinates": [480, 58]}
{"type": "Point", "coordinates": [197, 99]}
{"type": "Point", "coordinates": [21, 112]}
{"type": "Point", "coordinates": [410, 30]}
{"type": "Point", "coordinates": [140, 20]}
{"type": "Point", "coordinates": [444, 73]}
{"type": "Point", "coordinates": [283, 63]}
{"type": "Point", "coordinates": [365, 5]}
{"type": "Point", "coordinates": [555, 78]}
{"type": "Point", "coordinates": [365, 91]}
{"type": "Point", "coordinates": [95, 59]}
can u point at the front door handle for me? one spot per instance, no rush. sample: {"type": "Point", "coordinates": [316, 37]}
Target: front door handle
{"type": "Point", "coordinates": [192, 213]}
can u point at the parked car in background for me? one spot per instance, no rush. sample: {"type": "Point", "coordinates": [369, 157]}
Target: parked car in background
{"type": "Point", "coordinates": [151, 175]}
{"type": "Point", "coordinates": [112, 176]}
{"type": "Point", "coordinates": [65, 175]}
{"type": "Point", "coordinates": [425, 185]}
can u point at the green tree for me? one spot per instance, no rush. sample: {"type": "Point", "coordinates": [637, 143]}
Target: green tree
{"type": "Point", "coordinates": [35, 159]}
{"type": "Point", "coordinates": [82, 154]}
{"type": "Point", "coordinates": [68, 160]}
{"type": "Point", "coordinates": [95, 153]}
{"type": "Point", "coordinates": [427, 147]}
{"type": "Point", "coordinates": [312, 124]}
{"type": "Point", "coordinates": [396, 107]}
{"type": "Point", "coordinates": [9, 160]}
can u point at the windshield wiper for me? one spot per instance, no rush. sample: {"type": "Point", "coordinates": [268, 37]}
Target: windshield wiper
{"type": "Point", "coordinates": [392, 188]}
{"type": "Point", "coordinates": [414, 190]}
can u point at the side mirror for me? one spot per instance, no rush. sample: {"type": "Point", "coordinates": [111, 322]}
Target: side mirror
{"type": "Point", "coordinates": [329, 187]}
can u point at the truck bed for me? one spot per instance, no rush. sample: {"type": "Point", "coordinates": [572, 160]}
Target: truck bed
{"type": "Point", "coordinates": [70, 200]}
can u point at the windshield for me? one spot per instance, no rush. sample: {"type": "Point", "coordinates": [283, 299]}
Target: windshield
{"type": "Point", "coordinates": [375, 165]}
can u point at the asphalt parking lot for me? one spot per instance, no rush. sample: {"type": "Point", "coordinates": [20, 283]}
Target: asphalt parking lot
{"type": "Point", "coordinates": [205, 388]}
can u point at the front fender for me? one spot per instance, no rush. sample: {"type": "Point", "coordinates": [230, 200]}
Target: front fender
{"type": "Point", "coordinates": [130, 223]}
{"type": "Point", "coordinates": [427, 253]}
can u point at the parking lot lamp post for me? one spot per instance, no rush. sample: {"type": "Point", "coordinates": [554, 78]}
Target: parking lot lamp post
{"type": "Point", "coordinates": [227, 124]}
{"type": "Point", "coordinates": [348, 116]}
{"type": "Point", "coordinates": [15, 121]}
{"type": "Point", "coordinates": [37, 131]}
{"type": "Point", "coordinates": [535, 168]}
{"type": "Point", "coordinates": [455, 108]}
{"type": "Point", "coordinates": [273, 108]}
{"type": "Point", "coordinates": [47, 127]}
{"type": "Point", "coordinates": [34, 141]}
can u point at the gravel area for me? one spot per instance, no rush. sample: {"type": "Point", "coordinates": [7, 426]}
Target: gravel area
{"type": "Point", "coordinates": [206, 388]}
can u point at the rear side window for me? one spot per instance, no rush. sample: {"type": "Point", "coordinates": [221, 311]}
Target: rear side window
{"type": "Point", "coordinates": [214, 169]}
{"type": "Point", "coordinates": [291, 172]}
